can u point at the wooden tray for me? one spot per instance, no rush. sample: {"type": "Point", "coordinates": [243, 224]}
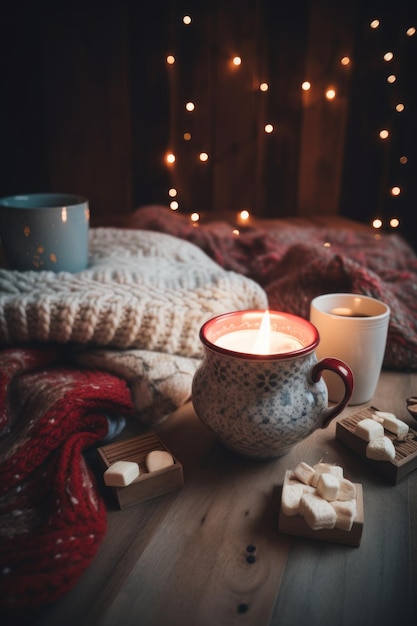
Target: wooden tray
{"type": "Point", "coordinates": [147, 485]}
{"type": "Point", "coordinates": [405, 450]}
{"type": "Point", "coordinates": [296, 525]}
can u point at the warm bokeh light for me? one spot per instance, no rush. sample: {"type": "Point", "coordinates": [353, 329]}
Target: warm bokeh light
{"type": "Point", "coordinates": [330, 93]}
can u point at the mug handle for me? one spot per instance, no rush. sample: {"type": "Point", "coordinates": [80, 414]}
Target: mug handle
{"type": "Point", "coordinates": [345, 373]}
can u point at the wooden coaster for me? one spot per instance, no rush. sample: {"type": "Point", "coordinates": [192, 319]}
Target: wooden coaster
{"type": "Point", "coordinates": [405, 449]}
{"type": "Point", "coordinates": [147, 485]}
{"type": "Point", "coordinates": [296, 525]}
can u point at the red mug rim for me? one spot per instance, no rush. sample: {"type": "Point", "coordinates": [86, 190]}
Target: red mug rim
{"type": "Point", "coordinates": [306, 332]}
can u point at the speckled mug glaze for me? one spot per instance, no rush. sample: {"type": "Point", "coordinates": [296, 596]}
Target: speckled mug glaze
{"type": "Point", "coordinates": [260, 406]}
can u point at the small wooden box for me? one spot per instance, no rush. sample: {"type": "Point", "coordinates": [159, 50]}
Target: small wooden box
{"type": "Point", "coordinates": [405, 449]}
{"type": "Point", "coordinates": [296, 525]}
{"type": "Point", "coordinates": [147, 485]}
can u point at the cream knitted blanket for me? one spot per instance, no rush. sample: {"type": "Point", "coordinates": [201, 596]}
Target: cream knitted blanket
{"type": "Point", "coordinates": [136, 311]}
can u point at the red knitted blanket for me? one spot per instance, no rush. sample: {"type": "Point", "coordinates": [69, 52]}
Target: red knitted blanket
{"type": "Point", "coordinates": [51, 519]}
{"type": "Point", "coordinates": [295, 263]}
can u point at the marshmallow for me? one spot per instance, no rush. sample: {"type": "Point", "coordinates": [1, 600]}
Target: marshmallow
{"type": "Point", "coordinates": [393, 424]}
{"type": "Point", "coordinates": [304, 472]}
{"type": "Point", "coordinates": [121, 474]}
{"type": "Point", "coordinates": [320, 468]}
{"type": "Point", "coordinates": [158, 459]}
{"type": "Point", "coordinates": [309, 489]}
{"type": "Point", "coordinates": [377, 418]}
{"type": "Point", "coordinates": [328, 486]}
{"type": "Point", "coordinates": [290, 499]}
{"type": "Point", "coordinates": [291, 479]}
{"type": "Point", "coordinates": [347, 490]}
{"type": "Point", "coordinates": [380, 449]}
{"type": "Point", "coordinates": [318, 513]}
{"type": "Point", "coordinates": [369, 429]}
{"type": "Point", "coordinates": [345, 514]}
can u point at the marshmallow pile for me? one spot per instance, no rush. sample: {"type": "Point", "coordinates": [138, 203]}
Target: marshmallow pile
{"type": "Point", "coordinates": [123, 473]}
{"type": "Point", "coordinates": [321, 495]}
{"type": "Point", "coordinates": [372, 429]}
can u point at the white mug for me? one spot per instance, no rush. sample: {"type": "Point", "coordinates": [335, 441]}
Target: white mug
{"type": "Point", "coordinates": [352, 328]}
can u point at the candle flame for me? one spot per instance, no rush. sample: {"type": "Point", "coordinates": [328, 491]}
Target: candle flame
{"type": "Point", "coordinates": [261, 344]}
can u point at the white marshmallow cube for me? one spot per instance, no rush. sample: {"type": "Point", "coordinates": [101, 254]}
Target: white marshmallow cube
{"type": "Point", "coordinates": [393, 424]}
{"type": "Point", "coordinates": [309, 489]}
{"type": "Point", "coordinates": [321, 468]}
{"type": "Point", "coordinates": [369, 429]}
{"type": "Point", "coordinates": [158, 459]}
{"type": "Point", "coordinates": [347, 490]}
{"type": "Point", "coordinates": [378, 418]}
{"type": "Point", "coordinates": [328, 486]}
{"type": "Point", "coordinates": [385, 415]}
{"type": "Point", "coordinates": [380, 449]}
{"type": "Point", "coordinates": [345, 514]}
{"type": "Point", "coordinates": [290, 499]}
{"type": "Point", "coordinates": [121, 474]}
{"type": "Point", "coordinates": [304, 472]}
{"type": "Point", "coordinates": [317, 512]}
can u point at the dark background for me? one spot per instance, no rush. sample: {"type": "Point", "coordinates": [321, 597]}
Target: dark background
{"type": "Point", "coordinates": [90, 106]}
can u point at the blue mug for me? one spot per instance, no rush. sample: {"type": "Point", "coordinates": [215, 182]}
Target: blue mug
{"type": "Point", "coordinates": [45, 231]}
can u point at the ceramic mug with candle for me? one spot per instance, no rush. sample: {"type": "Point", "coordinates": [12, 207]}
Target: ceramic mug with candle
{"type": "Point", "coordinates": [259, 387]}
{"type": "Point", "coordinates": [353, 328]}
{"type": "Point", "coordinates": [45, 231]}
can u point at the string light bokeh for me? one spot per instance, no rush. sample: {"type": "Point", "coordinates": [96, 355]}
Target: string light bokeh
{"type": "Point", "coordinates": [387, 109]}
{"type": "Point", "coordinates": [392, 45]}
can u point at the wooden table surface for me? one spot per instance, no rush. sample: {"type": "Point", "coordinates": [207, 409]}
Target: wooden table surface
{"type": "Point", "coordinates": [181, 559]}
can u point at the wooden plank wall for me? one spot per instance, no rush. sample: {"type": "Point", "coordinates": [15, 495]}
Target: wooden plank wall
{"type": "Point", "coordinates": [91, 106]}
{"type": "Point", "coordinates": [296, 169]}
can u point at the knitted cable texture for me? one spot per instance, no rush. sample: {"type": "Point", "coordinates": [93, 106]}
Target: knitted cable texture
{"type": "Point", "coordinates": [142, 289]}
